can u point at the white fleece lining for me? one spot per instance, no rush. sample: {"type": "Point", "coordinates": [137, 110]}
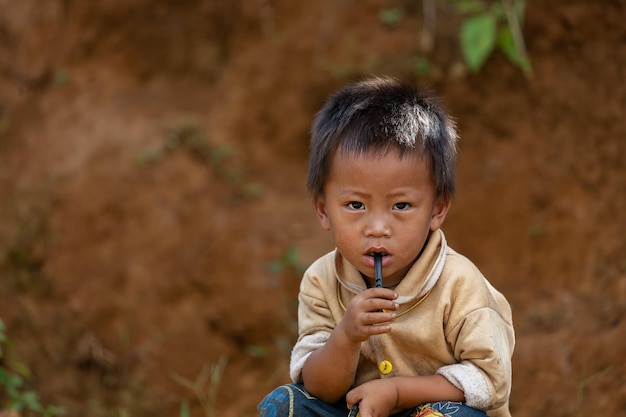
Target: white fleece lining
{"type": "Point", "coordinates": [467, 378]}
{"type": "Point", "coordinates": [301, 351]}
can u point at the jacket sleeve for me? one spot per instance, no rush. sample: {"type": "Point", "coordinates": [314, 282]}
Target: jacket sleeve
{"type": "Point", "coordinates": [482, 344]}
{"type": "Point", "coordinates": [315, 321]}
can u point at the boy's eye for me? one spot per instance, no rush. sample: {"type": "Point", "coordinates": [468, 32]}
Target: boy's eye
{"type": "Point", "coordinates": [355, 205]}
{"type": "Point", "coordinates": [401, 206]}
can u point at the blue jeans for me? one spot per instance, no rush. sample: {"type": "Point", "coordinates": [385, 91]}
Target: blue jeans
{"type": "Point", "coordinates": [292, 400]}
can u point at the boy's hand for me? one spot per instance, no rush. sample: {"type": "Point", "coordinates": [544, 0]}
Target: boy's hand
{"type": "Point", "coordinates": [369, 313]}
{"type": "Point", "coordinates": [376, 398]}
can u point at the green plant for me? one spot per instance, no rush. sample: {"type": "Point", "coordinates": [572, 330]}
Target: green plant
{"type": "Point", "coordinates": [184, 409]}
{"type": "Point", "coordinates": [392, 17]}
{"type": "Point", "coordinates": [289, 260]}
{"type": "Point", "coordinates": [421, 66]}
{"type": "Point", "coordinates": [13, 392]}
{"type": "Point", "coordinates": [188, 138]}
{"type": "Point", "coordinates": [490, 25]}
{"type": "Point", "coordinates": [205, 387]}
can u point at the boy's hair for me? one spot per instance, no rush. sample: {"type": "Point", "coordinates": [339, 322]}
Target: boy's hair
{"type": "Point", "coordinates": [382, 114]}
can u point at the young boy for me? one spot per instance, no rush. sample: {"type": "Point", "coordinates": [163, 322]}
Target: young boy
{"type": "Point", "coordinates": [436, 339]}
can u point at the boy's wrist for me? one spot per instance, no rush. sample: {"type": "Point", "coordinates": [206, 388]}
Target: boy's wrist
{"type": "Point", "coordinates": [344, 339]}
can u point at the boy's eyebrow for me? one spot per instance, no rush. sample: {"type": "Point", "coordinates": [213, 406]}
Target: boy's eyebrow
{"type": "Point", "coordinates": [401, 192]}
{"type": "Point", "coordinates": [352, 191]}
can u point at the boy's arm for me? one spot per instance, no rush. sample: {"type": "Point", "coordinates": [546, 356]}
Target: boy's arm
{"type": "Point", "coordinates": [417, 390]}
{"type": "Point", "coordinates": [329, 371]}
{"type": "Point", "coordinates": [384, 396]}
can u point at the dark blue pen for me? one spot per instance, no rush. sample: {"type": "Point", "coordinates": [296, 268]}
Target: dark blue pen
{"type": "Point", "coordinates": [378, 262]}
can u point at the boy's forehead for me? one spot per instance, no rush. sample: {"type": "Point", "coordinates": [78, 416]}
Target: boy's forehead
{"type": "Point", "coordinates": [377, 160]}
{"type": "Point", "coordinates": [390, 170]}
{"type": "Point", "coordinates": [378, 153]}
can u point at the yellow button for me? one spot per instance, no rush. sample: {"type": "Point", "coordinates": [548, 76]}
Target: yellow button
{"type": "Point", "coordinates": [385, 367]}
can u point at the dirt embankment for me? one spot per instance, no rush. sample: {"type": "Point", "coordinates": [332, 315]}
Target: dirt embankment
{"type": "Point", "coordinates": [153, 217]}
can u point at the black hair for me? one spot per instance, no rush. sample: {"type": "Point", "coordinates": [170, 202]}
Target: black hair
{"type": "Point", "coordinates": [382, 114]}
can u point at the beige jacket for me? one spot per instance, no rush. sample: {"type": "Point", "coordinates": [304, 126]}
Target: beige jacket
{"type": "Point", "coordinates": [450, 321]}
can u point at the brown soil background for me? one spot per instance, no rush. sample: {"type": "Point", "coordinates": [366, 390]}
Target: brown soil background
{"type": "Point", "coordinates": [153, 217]}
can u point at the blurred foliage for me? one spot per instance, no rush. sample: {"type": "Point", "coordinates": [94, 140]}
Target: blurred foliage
{"type": "Point", "coordinates": [14, 393]}
{"type": "Point", "coordinates": [488, 26]}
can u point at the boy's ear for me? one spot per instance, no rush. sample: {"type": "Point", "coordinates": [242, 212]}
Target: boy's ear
{"type": "Point", "coordinates": [320, 210]}
{"type": "Point", "coordinates": [440, 210]}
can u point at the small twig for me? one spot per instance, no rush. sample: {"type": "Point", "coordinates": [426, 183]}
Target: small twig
{"type": "Point", "coordinates": [516, 32]}
{"type": "Point", "coordinates": [206, 385]}
{"type": "Point", "coordinates": [430, 22]}
{"type": "Point", "coordinates": [581, 383]}
{"type": "Point", "coordinates": [266, 11]}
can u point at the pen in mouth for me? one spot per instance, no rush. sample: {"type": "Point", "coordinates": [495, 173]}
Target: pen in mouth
{"type": "Point", "coordinates": [378, 263]}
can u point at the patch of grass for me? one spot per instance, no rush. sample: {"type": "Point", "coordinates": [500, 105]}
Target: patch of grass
{"type": "Point", "coordinates": [14, 393]}
{"type": "Point", "coordinates": [205, 387]}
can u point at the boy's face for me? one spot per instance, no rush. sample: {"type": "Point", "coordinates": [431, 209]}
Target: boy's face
{"type": "Point", "coordinates": [385, 204]}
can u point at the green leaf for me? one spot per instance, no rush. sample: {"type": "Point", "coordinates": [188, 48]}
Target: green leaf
{"type": "Point", "coordinates": [184, 409]}
{"type": "Point", "coordinates": [421, 66]}
{"type": "Point", "coordinates": [257, 351]}
{"type": "Point", "coordinates": [31, 401]}
{"type": "Point", "coordinates": [52, 411]}
{"type": "Point", "coordinates": [511, 51]}
{"type": "Point", "coordinates": [291, 257]}
{"type": "Point", "coordinates": [478, 39]}
{"type": "Point", "coordinates": [391, 17]}
{"type": "Point", "coordinates": [12, 382]}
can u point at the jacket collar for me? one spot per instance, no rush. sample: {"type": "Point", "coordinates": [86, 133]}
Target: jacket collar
{"type": "Point", "coordinates": [420, 279]}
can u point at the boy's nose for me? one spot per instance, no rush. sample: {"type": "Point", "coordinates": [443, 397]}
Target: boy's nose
{"type": "Point", "coordinates": [378, 226]}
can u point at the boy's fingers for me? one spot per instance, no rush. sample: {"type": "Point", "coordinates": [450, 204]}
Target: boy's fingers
{"type": "Point", "coordinates": [377, 329]}
{"type": "Point", "coordinates": [378, 318]}
{"type": "Point", "coordinates": [378, 304]}
{"type": "Point", "coordinates": [385, 293]}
